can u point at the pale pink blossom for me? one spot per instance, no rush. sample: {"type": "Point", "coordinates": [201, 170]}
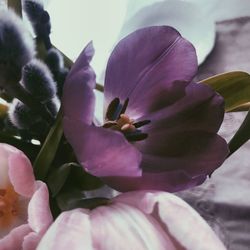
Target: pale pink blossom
{"type": "Point", "coordinates": [24, 202]}
{"type": "Point", "coordinates": [141, 220]}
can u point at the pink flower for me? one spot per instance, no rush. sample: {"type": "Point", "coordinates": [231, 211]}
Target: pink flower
{"type": "Point", "coordinates": [24, 203]}
{"type": "Point", "coordinates": [141, 220]}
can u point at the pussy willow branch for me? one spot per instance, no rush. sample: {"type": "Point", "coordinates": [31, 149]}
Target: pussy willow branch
{"type": "Point", "coordinates": [16, 5]}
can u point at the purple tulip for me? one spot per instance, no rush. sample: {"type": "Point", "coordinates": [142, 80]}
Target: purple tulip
{"type": "Point", "coordinates": [160, 128]}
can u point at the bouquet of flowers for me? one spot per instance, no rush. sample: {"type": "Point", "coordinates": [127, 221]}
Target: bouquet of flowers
{"type": "Point", "coordinates": [159, 135]}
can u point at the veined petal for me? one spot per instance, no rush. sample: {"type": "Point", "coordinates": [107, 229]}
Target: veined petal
{"type": "Point", "coordinates": [5, 152]}
{"type": "Point", "coordinates": [149, 59]}
{"type": "Point", "coordinates": [195, 153]}
{"type": "Point", "coordinates": [178, 219]}
{"type": "Point", "coordinates": [102, 152]}
{"type": "Point", "coordinates": [78, 96]}
{"type": "Point", "coordinates": [21, 174]}
{"type": "Point", "coordinates": [39, 215]}
{"type": "Point", "coordinates": [83, 60]}
{"type": "Point", "coordinates": [71, 230]}
{"type": "Point", "coordinates": [117, 220]}
{"type": "Point", "coordinates": [196, 107]}
{"type": "Point", "coordinates": [171, 181]}
{"type": "Point", "coordinates": [14, 239]}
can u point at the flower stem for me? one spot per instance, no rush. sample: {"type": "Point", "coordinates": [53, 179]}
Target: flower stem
{"type": "Point", "coordinates": [16, 5]}
{"type": "Point", "coordinates": [48, 151]}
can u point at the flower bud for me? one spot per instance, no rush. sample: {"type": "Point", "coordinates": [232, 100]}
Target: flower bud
{"type": "Point", "coordinates": [21, 116]}
{"type": "Point", "coordinates": [53, 105]}
{"type": "Point", "coordinates": [54, 60]}
{"type": "Point", "coordinates": [16, 47]}
{"type": "Point", "coordinates": [61, 79]}
{"type": "Point", "coordinates": [38, 80]}
{"type": "Point", "coordinates": [39, 18]}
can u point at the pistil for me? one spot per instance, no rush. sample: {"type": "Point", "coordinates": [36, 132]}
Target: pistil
{"type": "Point", "coordinates": [116, 119]}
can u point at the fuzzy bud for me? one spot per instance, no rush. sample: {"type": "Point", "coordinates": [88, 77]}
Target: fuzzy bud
{"type": "Point", "coordinates": [16, 47]}
{"type": "Point", "coordinates": [21, 115]}
{"type": "Point", "coordinates": [38, 80]}
{"type": "Point", "coordinates": [54, 60]}
{"type": "Point", "coordinates": [53, 105]}
{"type": "Point", "coordinates": [39, 17]}
{"type": "Point", "coordinates": [61, 79]}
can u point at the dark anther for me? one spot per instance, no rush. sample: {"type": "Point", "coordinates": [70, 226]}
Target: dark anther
{"type": "Point", "coordinates": [141, 123]}
{"type": "Point", "coordinates": [112, 108]}
{"type": "Point", "coordinates": [124, 107]}
{"type": "Point", "coordinates": [136, 136]}
{"type": "Point", "coordinates": [115, 109]}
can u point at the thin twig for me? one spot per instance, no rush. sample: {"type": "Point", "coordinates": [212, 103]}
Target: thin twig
{"type": "Point", "coordinates": [16, 5]}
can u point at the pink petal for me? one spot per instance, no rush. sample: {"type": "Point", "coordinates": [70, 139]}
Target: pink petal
{"type": "Point", "coordinates": [39, 215]}
{"type": "Point", "coordinates": [21, 174]}
{"type": "Point", "coordinates": [14, 240]}
{"type": "Point", "coordinates": [5, 152]}
{"type": "Point", "coordinates": [31, 241]}
{"type": "Point", "coordinates": [71, 230]}
{"type": "Point", "coordinates": [180, 221]}
{"type": "Point", "coordinates": [119, 226]}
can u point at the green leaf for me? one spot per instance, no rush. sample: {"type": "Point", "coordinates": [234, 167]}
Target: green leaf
{"type": "Point", "coordinates": [58, 177]}
{"type": "Point", "coordinates": [241, 136]}
{"type": "Point", "coordinates": [66, 200]}
{"type": "Point", "coordinates": [83, 180]}
{"type": "Point", "coordinates": [72, 175]}
{"type": "Point", "coordinates": [234, 87]}
{"type": "Point", "coordinates": [74, 198]}
{"type": "Point", "coordinates": [47, 153]}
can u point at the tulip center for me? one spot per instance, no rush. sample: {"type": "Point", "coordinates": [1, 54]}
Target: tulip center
{"type": "Point", "coordinates": [9, 206]}
{"type": "Point", "coordinates": [117, 120]}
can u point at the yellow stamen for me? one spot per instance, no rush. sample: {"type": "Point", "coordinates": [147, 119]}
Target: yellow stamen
{"type": "Point", "coordinates": [9, 206]}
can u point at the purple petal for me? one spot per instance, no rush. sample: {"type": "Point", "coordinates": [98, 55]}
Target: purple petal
{"type": "Point", "coordinates": [144, 64]}
{"type": "Point", "coordinates": [78, 96]}
{"type": "Point", "coordinates": [182, 136]}
{"type": "Point", "coordinates": [171, 181]}
{"type": "Point", "coordinates": [101, 151]}
{"type": "Point", "coordinates": [193, 153]}
{"type": "Point", "coordinates": [200, 108]}
{"type": "Point", "coordinates": [83, 60]}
